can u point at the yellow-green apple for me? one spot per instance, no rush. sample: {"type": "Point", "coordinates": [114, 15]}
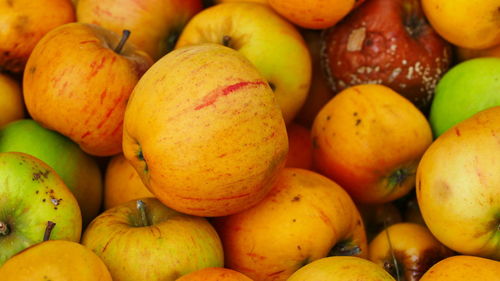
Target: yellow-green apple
{"type": "Point", "coordinates": [78, 80]}
{"type": "Point", "coordinates": [341, 269]}
{"type": "Point", "coordinates": [465, 23]}
{"type": "Point", "coordinates": [464, 90]}
{"type": "Point", "coordinates": [406, 250]}
{"type": "Point", "coordinates": [351, 131]}
{"type": "Point", "coordinates": [31, 194]}
{"type": "Point", "coordinates": [24, 23]}
{"type": "Point", "coordinates": [314, 14]}
{"type": "Point", "coordinates": [55, 260]}
{"type": "Point", "coordinates": [155, 24]}
{"type": "Point", "coordinates": [122, 183]}
{"type": "Point", "coordinates": [271, 43]}
{"type": "Point", "coordinates": [204, 131]}
{"type": "Point", "coordinates": [145, 240]}
{"type": "Point", "coordinates": [463, 268]}
{"type": "Point", "coordinates": [387, 42]}
{"type": "Point", "coordinates": [305, 217]}
{"type": "Point", "coordinates": [78, 170]}
{"type": "Point", "coordinates": [458, 186]}
{"type": "Point", "coordinates": [11, 100]}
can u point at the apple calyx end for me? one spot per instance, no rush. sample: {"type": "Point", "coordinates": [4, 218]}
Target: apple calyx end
{"type": "Point", "coordinates": [123, 40]}
{"type": "Point", "coordinates": [141, 207]}
{"type": "Point", "coordinates": [48, 230]}
{"type": "Point", "coordinates": [226, 41]}
{"type": "Point", "coordinates": [397, 178]}
{"type": "Point", "coordinates": [4, 229]}
{"type": "Point", "coordinates": [345, 248]}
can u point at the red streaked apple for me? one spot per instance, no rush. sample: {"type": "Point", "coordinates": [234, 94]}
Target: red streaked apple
{"type": "Point", "coordinates": [271, 43]}
{"type": "Point", "coordinates": [387, 42]}
{"type": "Point", "coordinates": [78, 80]}
{"type": "Point", "coordinates": [145, 240]}
{"type": "Point", "coordinates": [155, 24]}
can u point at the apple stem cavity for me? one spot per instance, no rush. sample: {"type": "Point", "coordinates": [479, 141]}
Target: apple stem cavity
{"type": "Point", "coordinates": [141, 207]}
{"type": "Point", "coordinates": [345, 248]}
{"type": "Point", "coordinates": [226, 40]}
{"type": "Point", "coordinates": [48, 230]}
{"type": "Point", "coordinates": [125, 36]}
{"type": "Point", "coordinates": [4, 229]}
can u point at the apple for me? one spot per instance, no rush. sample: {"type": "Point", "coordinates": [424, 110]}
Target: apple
{"type": "Point", "coordinates": [155, 24]}
{"type": "Point", "coordinates": [465, 23]}
{"type": "Point", "coordinates": [463, 54]}
{"type": "Point", "coordinates": [122, 183]}
{"type": "Point", "coordinates": [11, 100]}
{"type": "Point", "coordinates": [406, 250]}
{"type": "Point", "coordinates": [464, 90]}
{"type": "Point", "coordinates": [305, 217]}
{"type": "Point", "coordinates": [24, 23]}
{"type": "Point", "coordinates": [78, 170]}
{"type": "Point", "coordinates": [217, 148]}
{"type": "Point", "coordinates": [463, 268]}
{"type": "Point", "coordinates": [369, 139]}
{"type": "Point", "coordinates": [271, 43]}
{"type": "Point", "coordinates": [55, 260]}
{"type": "Point", "coordinates": [457, 186]}
{"type": "Point", "coordinates": [31, 194]}
{"type": "Point", "coordinates": [78, 80]}
{"type": "Point", "coordinates": [145, 240]}
{"type": "Point", "coordinates": [341, 269]}
{"type": "Point", "coordinates": [214, 274]}
{"type": "Point", "coordinates": [387, 42]}
{"type": "Point", "coordinates": [314, 14]}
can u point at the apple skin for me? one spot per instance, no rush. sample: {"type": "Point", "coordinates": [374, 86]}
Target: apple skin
{"type": "Point", "coordinates": [55, 260]}
{"type": "Point", "coordinates": [387, 42]}
{"type": "Point", "coordinates": [155, 24]}
{"type": "Point", "coordinates": [171, 244]}
{"type": "Point", "coordinates": [31, 194]}
{"type": "Point", "coordinates": [467, 88]}
{"type": "Point", "coordinates": [457, 186]}
{"type": "Point", "coordinates": [271, 43]}
{"type": "Point", "coordinates": [218, 148]}
{"type": "Point", "coordinates": [77, 85]}
{"type": "Point", "coordinates": [11, 100]}
{"type": "Point", "coordinates": [305, 217]}
{"type": "Point", "coordinates": [78, 170]}
{"type": "Point", "coordinates": [24, 23]}
{"type": "Point", "coordinates": [463, 268]}
{"type": "Point", "coordinates": [341, 269]}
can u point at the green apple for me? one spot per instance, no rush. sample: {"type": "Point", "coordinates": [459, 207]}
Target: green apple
{"type": "Point", "coordinates": [464, 90]}
{"type": "Point", "coordinates": [145, 240]}
{"type": "Point", "coordinates": [155, 24]}
{"type": "Point", "coordinates": [271, 43]}
{"type": "Point", "coordinates": [78, 170]}
{"type": "Point", "coordinates": [31, 194]}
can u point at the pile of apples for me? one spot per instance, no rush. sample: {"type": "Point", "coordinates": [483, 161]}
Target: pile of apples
{"type": "Point", "coordinates": [260, 140]}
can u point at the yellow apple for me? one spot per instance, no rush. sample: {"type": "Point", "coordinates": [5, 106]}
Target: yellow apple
{"type": "Point", "coordinates": [463, 268]}
{"type": "Point", "coordinates": [204, 131]}
{"type": "Point", "coordinates": [11, 100]}
{"type": "Point", "coordinates": [155, 24]}
{"type": "Point", "coordinates": [272, 44]}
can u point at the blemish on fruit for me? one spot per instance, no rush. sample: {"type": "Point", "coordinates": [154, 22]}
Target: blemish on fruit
{"type": "Point", "coordinates": [328, 117]}
{"type": "Point", "coordinates": [272, 86]}
{"type": "Point", "coordinates": [54, 201]}
{"type": "Point", "coordinates": [358, 121]}
{"type": "Point", "coordinates": [457, 132]}
{"type": "Point", "coordinates": [294, 220]}
{"type": "Point", "coordinates": [43, 200]}
{"type": "Point", "coordinates": [355, 39]}
{"type": "Point", "coordinates": [296, 198]}
{"type": "Point", "coordinates": [299, 248]}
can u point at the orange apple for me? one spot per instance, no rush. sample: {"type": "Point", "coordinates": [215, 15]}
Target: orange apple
{"type": "Point", "coordinates": [78, 80]}
{"type": "Point", "coordinates": [204, 131]}
{"type": "Point", "coordinates": [214, 274]}
{"type": "Point", "coordinates": [11, 100]}
{"type": "Point", "coordinates": [155, 24]}
{"type": "Point", "coordinates": [305, 217]}
{"type": "Point", "coordinates": [458, 186]}
{"type": "Point", "coordinates": [465, 23]}
{"type": "Point", "coordinates": [271, 43]}
{"type": "Point", "coordinates": [24, 23]}
{"type": "Point", "coordinates": [122, 183]}
{"type": "Point", "coordinates": [369, 139]}
{"type": "Point", "coordinates": [299, 147]}
{"type": "Point", "coordinates": [467, 54]}
{"type": "Point", "coordinates": [463, 268]}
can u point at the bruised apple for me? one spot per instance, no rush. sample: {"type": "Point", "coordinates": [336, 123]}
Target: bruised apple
{"type": "Point", "coordinates": [203, 130]}
{"type": "Point", "coordinates": [78, 81]}
{"type": "Point", "coordinates": [305, 217]}
{"type": "Point", "coordinates": [387, 42]}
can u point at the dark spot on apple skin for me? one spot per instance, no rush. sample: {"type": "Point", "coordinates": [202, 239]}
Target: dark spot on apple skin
{"type": "Point", "coordinates": [294, 220]}
{"type": "Point", "coordinates": [457, 132]}
{"type": "Point", "coordinates": [43, 200]}
{"type": "Point", "coordinates": [358, 121]}
{"type": "Point", "coordinates": [36, 192]}
{"type": "Point", "coordinates": [299, 248]}
{"type": "Point", "coordinates": [328, 117]}
{"type": "Point", "coordinates": [296, 198]}
{"type": "Point", "coordinates": [354, 114]}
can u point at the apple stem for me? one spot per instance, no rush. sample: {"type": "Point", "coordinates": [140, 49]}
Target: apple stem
{"type": "Point", "coordinates": [391, 249]}
{"type": "Point", "coordinates": [226, 40]}
{"type": "Point", "coordinates": [48, 230]}
{"type": "Point", "coordinates": [4, 229]}
{"type": "Point", "coordinates": [141, 206]}
{"type": "Point", "coordinates": [125, 36]}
